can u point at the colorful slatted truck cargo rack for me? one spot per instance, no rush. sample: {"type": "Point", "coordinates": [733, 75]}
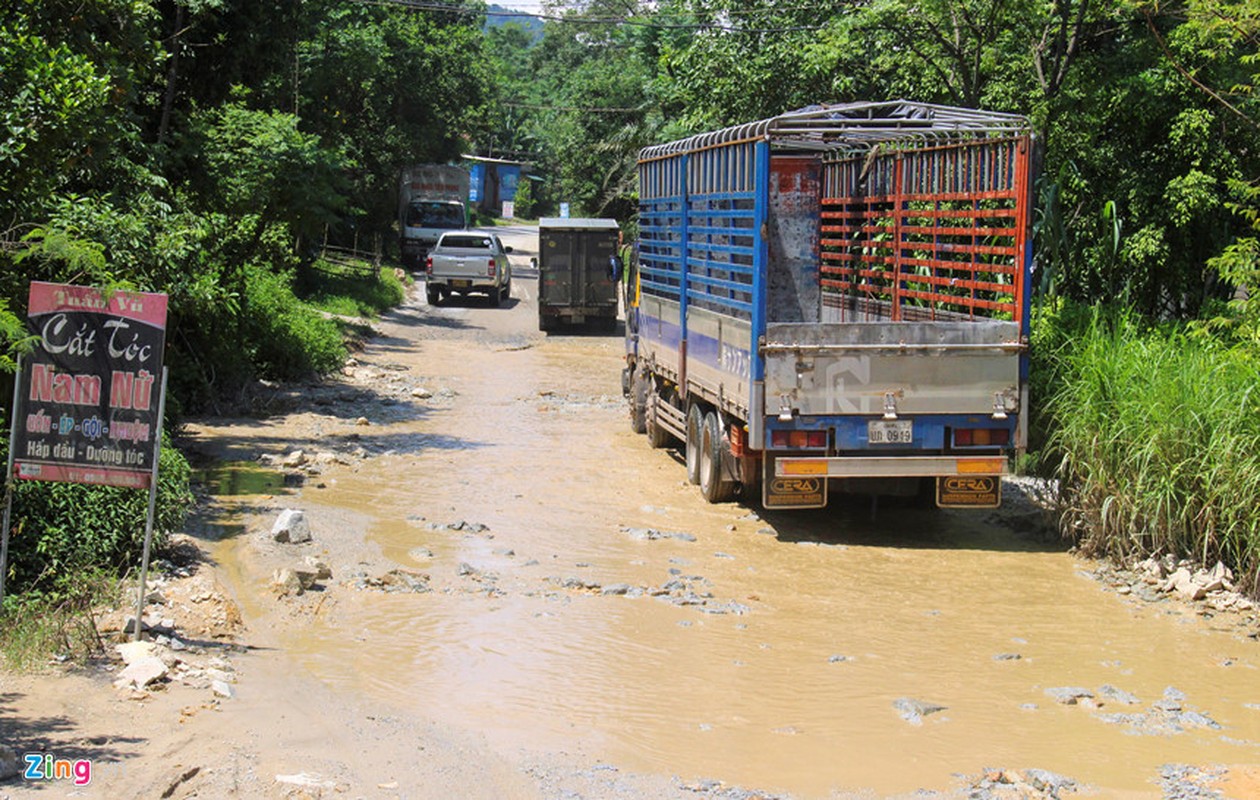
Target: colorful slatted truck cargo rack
{"type": "Point", "coordinates": [836, 299]}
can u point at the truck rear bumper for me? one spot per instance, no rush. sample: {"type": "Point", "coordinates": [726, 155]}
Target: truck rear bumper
{"type": "Point", "coordinates": [889, 466]}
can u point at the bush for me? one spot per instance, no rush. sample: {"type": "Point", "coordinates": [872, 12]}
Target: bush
{"type": "Point", "coordinates": [64, 530]}
{"type": "Point", "coordinates": [350, 294]}
{"type": "Point", "coordinates": [1159, 437]}
{"type": "Point", "coordinates": [286, 338]}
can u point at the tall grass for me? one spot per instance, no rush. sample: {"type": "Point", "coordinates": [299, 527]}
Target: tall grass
{"type": "Point", "coordinates": [1158, 437]}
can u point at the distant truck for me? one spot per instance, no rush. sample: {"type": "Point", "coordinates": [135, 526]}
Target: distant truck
{"type": "Point", "coordinates": [837, 299]}
{"type": "Point", "coordinates": [577, 281]}
{"type": "Point", "coordinates": [432, 199]}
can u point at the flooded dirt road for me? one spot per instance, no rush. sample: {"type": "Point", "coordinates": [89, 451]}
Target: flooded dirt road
{"type": "Point", "coordinates": [568, 592]}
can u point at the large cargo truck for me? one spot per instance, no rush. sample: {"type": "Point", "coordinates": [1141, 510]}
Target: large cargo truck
{"type": "Point", "coordinates": [576, 279]}
{"type": "Point", "coordinates": [836, 299]}
{"type": "Point", "coordinates": [432, 199]}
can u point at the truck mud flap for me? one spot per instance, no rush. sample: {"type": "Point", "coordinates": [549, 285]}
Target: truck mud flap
{"type": "Point", "coordinates": [804, 491]}
{"type": "Point", "coordinates": [969, 491]}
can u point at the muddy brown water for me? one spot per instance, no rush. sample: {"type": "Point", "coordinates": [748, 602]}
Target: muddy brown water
{"type": "Point", "coordinates": [843, 613]}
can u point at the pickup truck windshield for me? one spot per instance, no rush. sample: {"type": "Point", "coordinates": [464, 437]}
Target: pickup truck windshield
{"type": "Point", "coordinates": [477, 242]}
{"type": "Point", "coordinates": [432, 214]}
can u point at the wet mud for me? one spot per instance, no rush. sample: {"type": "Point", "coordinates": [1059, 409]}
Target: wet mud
{"type": "Point", "coordinates": [559, 587]}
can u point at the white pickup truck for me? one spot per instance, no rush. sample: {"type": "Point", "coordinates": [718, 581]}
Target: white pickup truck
{"type": "Point", "coordinates": [467, 262]}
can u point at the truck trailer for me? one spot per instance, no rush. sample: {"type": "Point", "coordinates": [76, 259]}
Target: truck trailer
{"type": "Point", "coordinates": [837, 299]}
{"type": "Point", "coordinates": [576, 282]}
{"type": "Point", "coordinates": [432, 199]}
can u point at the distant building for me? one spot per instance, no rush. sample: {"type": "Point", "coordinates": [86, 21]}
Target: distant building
{"type": "Point", "coordinates": [494, 182]}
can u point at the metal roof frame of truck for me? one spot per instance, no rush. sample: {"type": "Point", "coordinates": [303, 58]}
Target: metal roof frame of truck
{"type": "Point", "coordinates": [856, 127]}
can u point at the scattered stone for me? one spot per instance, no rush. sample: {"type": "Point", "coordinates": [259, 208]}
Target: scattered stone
{"type": "Point", "coordinates": [767, 531]}
{"type": "Point", "coordinates": [461, 525]}
{"type": "Point", "coordinates": [306, 780]}
{"type": "Point", "coordinates": [723, 555]}
{"type": "Point", "coordinates": [223, 689]}
{"type": "Point", "coordinates": [10, 764]}
{"type": "Point", "coordinates": [507, 552]}
{"type": "Point", "coordinates": [362, 422]}
{"type": "Point", "coordinates": [421, 393]}
{"type": "Point", "coordinates": [1007, 657]}
{"type": "Point", "coordinates": [651, 534]}
{"type": "Point", "coordinates": [141, 673]}
{"type": "Point", "coordinates": [1049, 782]}
{"type": "Point", "coordinates": [617, 589]}
{"type": "Point", "coordinates": [1185, 782]}
{"type": "Point", "coordinates": [1116, 695]}
{"type": "Point", "coordinates": [295, 459]}
{"type": "Point", "coordinates": [913, 711]}
{"type": "Point", "coordinates": [287, 581]}
{"type": "Point", "coordinates": [838, 659]}
{"type": "Point", "coordinates": [1070, 695]}
{"type": "Point", "coordinates": [131, 652]}
{"type": "Point", "coordinates": [322, 571]}
{"type": "Point", "coordinates": [291, 526]}
{"type": "Point", "coordinates": [420, 554]}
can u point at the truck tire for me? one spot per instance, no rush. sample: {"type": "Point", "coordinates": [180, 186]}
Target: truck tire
{"type": "Point", "coordinates": [695, 433]}
{"type": "Point", "coordinates": [639, 386]}
{"type": "Point", "coordinates": [434, 297]}
{"type": "Point", "coordinates": [506, 292]}
{"type": "Point", "coordinates": [713, 486]}
{"type": "Point", "coordinates": [658, 437]}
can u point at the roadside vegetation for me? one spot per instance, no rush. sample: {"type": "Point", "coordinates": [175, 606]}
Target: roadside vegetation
{"type": "Point", "coordinates": [203, 149]}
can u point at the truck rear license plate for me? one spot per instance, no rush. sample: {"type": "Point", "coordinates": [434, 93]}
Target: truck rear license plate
{"type": "Point", "coordinates": [969, 491]}
{"type": "Point", "coordinates": [461, 284]}
{"type": "Point", "coordinates": [890, 432]}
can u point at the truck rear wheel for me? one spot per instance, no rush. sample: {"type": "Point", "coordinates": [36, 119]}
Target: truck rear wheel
{"type": "Point", "coordinates": [713, 486]}
{"type": "Point", "coordinates": [695, 430]}
{"type": "Point", "coordinates": [434, 296]}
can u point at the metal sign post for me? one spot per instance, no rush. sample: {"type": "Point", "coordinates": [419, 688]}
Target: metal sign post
{"type": "Point", "coordinates": [8, 486]}
{"type": "Point", "coordinates": [148, 523]}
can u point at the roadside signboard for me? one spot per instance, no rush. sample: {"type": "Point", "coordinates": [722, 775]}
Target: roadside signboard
{"type": "Point", "coordinates": [87, 401]}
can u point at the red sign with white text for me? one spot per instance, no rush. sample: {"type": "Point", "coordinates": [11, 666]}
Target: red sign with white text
{"type": "Point", "coordinates": [88, 394]}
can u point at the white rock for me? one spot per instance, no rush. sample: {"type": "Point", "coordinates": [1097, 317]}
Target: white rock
{"type": "Point", "coordinates": [141, 673]}
{"type": "Point", "coordinates": [423, 394]}
{"type": "Point", "coordinates": [295, 459]}
{"type": "Point", "coordinates": [1187, 586]}
{"type": "Point", "coordinates": [362, 421]}
{"type": "Point", "coordinates": [303, 779]}
{"type": "Point", "coordinates": [223, 689]}
{"type": "Point", "coordinates": [322, 570]}
{"type": "Point", "coordinates": [288, 581]}
{"type": "Point", "coordinates": [132, 652]}
{"type": "Point", "coordinates": [291, 526]}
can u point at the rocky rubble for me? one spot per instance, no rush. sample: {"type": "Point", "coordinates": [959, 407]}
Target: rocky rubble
{"type": "Point", "coordinates": [1008, 784]}
{"type": "Point", "coordinates": [1158, 579]}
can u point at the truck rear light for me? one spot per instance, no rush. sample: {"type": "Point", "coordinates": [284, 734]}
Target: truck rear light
{"type": "Point", "coordinates": [428, 266]}
{"type": "Point", "coordinates": [490, 268]}
{"type": "Point", "coordinates": [799, 439]}
{"type": "Point", "coordinates": [981, 437]}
